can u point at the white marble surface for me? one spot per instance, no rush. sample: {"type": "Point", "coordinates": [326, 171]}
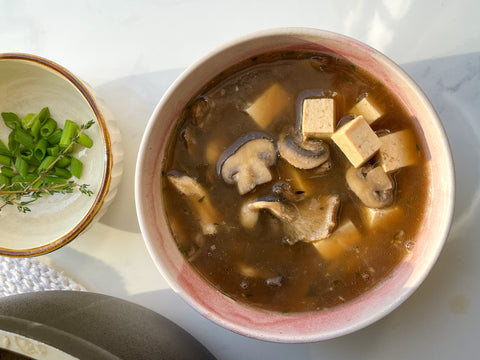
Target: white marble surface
{"type": "Point", "coordinates": [130, 52]}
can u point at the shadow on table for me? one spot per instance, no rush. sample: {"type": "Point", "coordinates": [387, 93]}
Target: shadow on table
{"type": "Point", "coordinates": [132, 100]}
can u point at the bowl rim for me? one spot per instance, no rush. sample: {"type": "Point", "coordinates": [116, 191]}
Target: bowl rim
{"type": "Point", "coordinates": [108, 156]}
{"type": "Point", "coordinates": [288, 337]}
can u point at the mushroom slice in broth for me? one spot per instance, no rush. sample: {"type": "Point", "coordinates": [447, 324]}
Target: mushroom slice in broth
{"type": "Point", "coordinates": [308, 154]}
{"type": "Point", "coordinates": [198, 200]}
{"type": "Point", "coordinates": [246, 163]}
{"type": "Point", "coordinates": [309, 220]}
{"type": "Point", "coordinates": [371, 185]}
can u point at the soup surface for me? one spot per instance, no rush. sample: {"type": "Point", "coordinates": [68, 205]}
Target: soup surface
{"type": "Point", "coordinates": [266, 229]}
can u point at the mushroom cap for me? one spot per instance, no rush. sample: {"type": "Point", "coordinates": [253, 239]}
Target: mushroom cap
{"type": "Point", "coordinates": [246, 163]}
{"type": "Point", "coordinates": [307, 154]}
{"type": "Point", "coordinates": [372, 186]}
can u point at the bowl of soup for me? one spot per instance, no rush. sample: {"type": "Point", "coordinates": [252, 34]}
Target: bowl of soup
{"type": "Point", "coordinates": [294, 185]}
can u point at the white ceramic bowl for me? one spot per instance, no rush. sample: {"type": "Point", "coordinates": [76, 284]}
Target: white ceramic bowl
{"type": "Point", "coordinates": [306, 327]}
{"type": "Point", "coordinates": [27, 84]}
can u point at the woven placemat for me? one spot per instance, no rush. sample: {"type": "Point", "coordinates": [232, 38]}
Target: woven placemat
{"type": "Point", "coordinates": [23, 275]}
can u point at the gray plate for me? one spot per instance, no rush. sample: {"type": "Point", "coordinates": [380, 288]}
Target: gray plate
{"type": "Point", "coordinates": [91, 326]}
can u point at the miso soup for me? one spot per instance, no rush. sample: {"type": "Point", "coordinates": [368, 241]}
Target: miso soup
{"type": "Point", "coordinates": [295, 182]}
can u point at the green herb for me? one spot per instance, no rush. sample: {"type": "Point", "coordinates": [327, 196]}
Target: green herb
{"type": "Point", "coordinates": [201, 199]}
{"type": "Point", "coordinates": [348, 80]}
{"type": "Point", "coordinates": [352, 66]}
{"type": "Point", "coordinates": [38, 164]}
{"type": "Point", "coordinates": [418, 148]}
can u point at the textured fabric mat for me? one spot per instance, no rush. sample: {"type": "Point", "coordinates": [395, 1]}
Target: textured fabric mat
{"type": "Point", "coordinates": [22, 275]}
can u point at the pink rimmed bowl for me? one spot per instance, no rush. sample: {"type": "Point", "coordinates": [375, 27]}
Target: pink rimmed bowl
{"type": "Point", "coordinates": [27, 84]}
{"type": "Point", "coordinates": [300, 327]}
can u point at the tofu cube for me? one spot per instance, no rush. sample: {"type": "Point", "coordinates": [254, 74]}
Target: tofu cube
{"type": "Point", "coordinates": [357, 140]}
{"type": "Point", "coordinates": [367, 109]}
{"type": "Point", "coordinates": [397, 150]}
{"type": "Point", "coordinates": [271, 103]}
{"type": "Point", "coordinates": [381, 217]}
{"type": "Point", "coordinates": [342, 239]}
{"type": "Point", "coordinates": [318, 118]}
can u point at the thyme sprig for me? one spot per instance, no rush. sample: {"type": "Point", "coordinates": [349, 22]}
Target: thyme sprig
{"type": "Point", "coordinates": [22, 194]}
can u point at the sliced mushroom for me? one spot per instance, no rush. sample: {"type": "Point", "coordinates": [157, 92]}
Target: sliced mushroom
{"type": "Point", "coordinates": [286, 213]}
{"type": "Point", "coordinates": [247, 162]}
{"type": "Point", "coordinates": [310, 220]}
{"type": "Point", "coordinates": [198, 200]}
{"type": "Point", "coordinates": [372, 186]}
{"type": "Point", "coordinates": [307, 154]}
{"type": "Point", "coordinates": [249, 212]}
{"type": "Point", "coordinates": [199, 110]}
{"type": "Point", "coordinates": [317, 220]}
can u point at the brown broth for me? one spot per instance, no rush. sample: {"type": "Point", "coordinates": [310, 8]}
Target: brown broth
{"type": "Point", "coordinates": [287, 278]}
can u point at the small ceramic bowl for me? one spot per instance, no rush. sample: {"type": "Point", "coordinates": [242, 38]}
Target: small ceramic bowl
{"type": "Point", "coordinates": [294, 327]}
{"type": "Point", "coordinates": [27, 84]}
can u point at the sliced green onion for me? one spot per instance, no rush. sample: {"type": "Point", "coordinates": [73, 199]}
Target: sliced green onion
{"type": "Point", "coordinates": [46, 162]}
{"type": "Point", "coordinates": [40, 149]}
{"type": "Point", "coordinates": [13, 145]}
{"type": "Point", "coordinates": [63, 162]}
{"type": "Point", "coordinates": [43, 115]}
{"type": "Point", "coordinates": [48, 128]}
{"type": "Point", "coordinates": [4, 181]}
{"type": "Point", "coordinates": [24, 138]}
{"type": "Point", "coordinates": [21, 166]}
{"type": "Point", "coordinates": [27, 121]}
{"type": "Point", "coordinates": [4, 149]}
{"type": "Point", "coordinates": [38, 121]}
{"type": "Point", "coordinates": [35, 129]}
{"type": "Point", "coordinates": [53, 150]}
{"type": "Point", "coordinates": [69, 131]}
{"type": "Point", "coordinates": [54, 180]}
{"type": "Point", "coordinates": [8, 171]}
{"type": "Point", "coordinates": [76, 167]}
{"type": "Point", "coordinates": [25, 154]}
{"type": "Point", "coordinates": [84, 140]}
{"type": "Point", "coordinates": [54, 138]}
{"type": "Point", "coordinates": [5, 160]}
{"type": "Point", "coordinates": [62, 172]}
{"type": "Point", "coordinates": [11, 120]}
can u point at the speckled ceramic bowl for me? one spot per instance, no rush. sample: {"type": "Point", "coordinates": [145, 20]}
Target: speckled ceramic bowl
{"type": "Point", "coordinates": [299, 327]}
{"type": "Point", "coordinates": [27, 84]}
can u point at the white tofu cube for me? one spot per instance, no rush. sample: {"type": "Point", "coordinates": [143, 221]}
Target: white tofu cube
{"type": "Point", "coordinates": [270, 104]}
{"type": "Point", "coordinates": [342, 239]}
{"type": "Point", "coordinates": [357, 140]}
{"type": "Point", "coordinates": [367, 109]}
{"type": "Point", "coordinates": [318, 118]}
{"type": "Point", "coordinates": [380, 217]}
{"type": "Point", "coordinates": [398, 149]}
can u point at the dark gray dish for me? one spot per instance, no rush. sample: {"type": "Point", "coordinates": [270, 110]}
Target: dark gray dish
{"type": "Point", "coordinates": [94, 326]}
